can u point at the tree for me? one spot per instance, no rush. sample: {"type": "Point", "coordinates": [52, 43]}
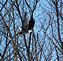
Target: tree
{"type": "Point", "coordinates": [44, 43]}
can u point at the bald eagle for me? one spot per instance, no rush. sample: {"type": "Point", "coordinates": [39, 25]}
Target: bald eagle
{"type": "Point", "coordinates": [31, 23]}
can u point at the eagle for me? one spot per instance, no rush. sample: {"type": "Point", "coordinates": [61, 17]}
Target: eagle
{"type": "Point", "coordinates": [27, 24]}
{"type": "Point", "coordinates": [31, 23]}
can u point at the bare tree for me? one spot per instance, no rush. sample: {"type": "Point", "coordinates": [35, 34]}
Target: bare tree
{"type": "Point", "coordinates": [44, 43]}
{"type": "Point", "coordinates": [17, 46]}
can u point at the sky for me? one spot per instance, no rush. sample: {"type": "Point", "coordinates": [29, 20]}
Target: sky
{"type": "Point", "coordinates": [38, 14]}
